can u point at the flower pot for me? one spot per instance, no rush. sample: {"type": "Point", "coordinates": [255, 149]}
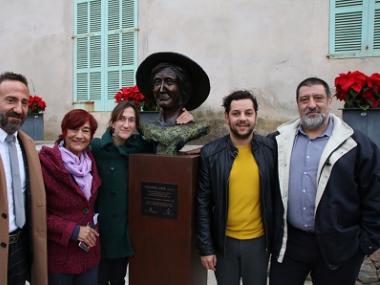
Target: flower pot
{"type": "Point", "coordinates": [34, 126]}
{"type": "Point", "coordinates": [365, 121]}
{"type": "Point", "coordinates": [149, 116]}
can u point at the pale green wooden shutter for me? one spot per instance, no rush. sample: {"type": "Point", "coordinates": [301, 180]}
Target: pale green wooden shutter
{"type": "Point", "coordinates": [88, 52]}
{"type": "Point", "coordinates": [105, 39]}
{"type": "Point", "coordinates": [121, 41]}
{"type": "Point", "coordinates": [354, 28]}
{"type": "Point", "coordinates": [346, 27]}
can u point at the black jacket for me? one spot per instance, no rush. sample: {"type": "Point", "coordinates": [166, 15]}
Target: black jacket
{"type": "Point", "coordinates": [347, 216]}
{"type": "Point", "coordinates": [215, 165]}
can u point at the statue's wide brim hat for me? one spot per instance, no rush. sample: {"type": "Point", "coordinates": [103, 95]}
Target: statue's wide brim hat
{"type": "Point", "coordinates": [199, 79]}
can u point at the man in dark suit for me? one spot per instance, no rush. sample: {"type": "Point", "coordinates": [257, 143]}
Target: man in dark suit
{"type": "Point", "coordinates": [23, 254]}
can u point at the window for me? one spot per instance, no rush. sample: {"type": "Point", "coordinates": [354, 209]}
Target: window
{"type": "Point", "coordinates": [354, 28]}
{"type": "Point", "coordinates": [105, 38]}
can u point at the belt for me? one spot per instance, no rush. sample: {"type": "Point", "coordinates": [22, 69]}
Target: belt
{"type": "Point", "coordinates": [15, 236]}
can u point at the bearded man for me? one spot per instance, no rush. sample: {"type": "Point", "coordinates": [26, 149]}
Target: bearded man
{"type": "Point", "coordinates": [237, 181]}
{"type": "Point", "coordinates": [23, 253]}
{"type": "Point", "coordinates": [329, 177]}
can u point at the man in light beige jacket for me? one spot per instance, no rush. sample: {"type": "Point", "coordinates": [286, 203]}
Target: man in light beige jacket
{"type": "Point", "coordinates": [23, 253]}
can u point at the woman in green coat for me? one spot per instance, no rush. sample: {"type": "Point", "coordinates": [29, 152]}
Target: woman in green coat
{"type": "Point", "coordinates": [111, 153]}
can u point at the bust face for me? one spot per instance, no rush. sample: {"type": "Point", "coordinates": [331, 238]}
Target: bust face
{"type": "Point", "coordinates": [166, 90]}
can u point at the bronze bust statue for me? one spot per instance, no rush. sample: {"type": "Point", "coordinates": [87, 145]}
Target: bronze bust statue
{"type": "Point", "coordinates": [174, 82]}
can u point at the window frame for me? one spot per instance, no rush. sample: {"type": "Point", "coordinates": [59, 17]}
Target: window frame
{"type": "Point", "coordinates": [369, 32]}
{"type": "Point", "coordinates": [113, 77]}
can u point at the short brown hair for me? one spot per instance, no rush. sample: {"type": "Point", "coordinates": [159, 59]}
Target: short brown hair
{"type": "Point", "coordinates": [13, 76]}
{"type": "Point", "coordinates": [75, 119]}
{"type": "Point", "coordinates": [311, 81]}
{"type": "Point", "coordinates": [239, 95]}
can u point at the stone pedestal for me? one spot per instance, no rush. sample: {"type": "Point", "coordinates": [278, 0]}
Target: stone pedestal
{"type": "Point", "coordinates": [161, 221]}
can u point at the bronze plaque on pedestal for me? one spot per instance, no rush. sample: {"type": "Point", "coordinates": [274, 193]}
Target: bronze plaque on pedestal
{"type": "Point", "coordinates": [161, 221]}
{"type": "Point", "coordinates": [159, 200]}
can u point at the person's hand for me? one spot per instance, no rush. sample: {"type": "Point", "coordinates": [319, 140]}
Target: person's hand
{"type": "Point", "coordinates": [88, 235]}
{"type": "Point", "coordinates": [209, 262]}
{"type": "Point", "coordinates": [184, 118]}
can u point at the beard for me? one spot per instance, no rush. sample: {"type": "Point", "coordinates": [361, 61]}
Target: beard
{"type": "Point", "coordinates": [241, 136]}
{"type": "Point", "coordinates": [313, 123]}
{"type": "Point", "coordinates": [8, 125]}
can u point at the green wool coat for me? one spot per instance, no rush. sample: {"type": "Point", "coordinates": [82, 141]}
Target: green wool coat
{"type": "Point", "coordinates": [112, 203]}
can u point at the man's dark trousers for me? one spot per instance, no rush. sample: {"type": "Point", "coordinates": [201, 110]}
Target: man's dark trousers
{"type": "Point", "coordinates": [303, 257]}
{"type": "Point", "coordinates": [19, 259]}
{"type": "Point", "coordinates": [243, 259]}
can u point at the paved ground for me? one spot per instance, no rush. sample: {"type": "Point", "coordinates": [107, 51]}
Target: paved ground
{"type": "Point", "coordinates": [211, 280]}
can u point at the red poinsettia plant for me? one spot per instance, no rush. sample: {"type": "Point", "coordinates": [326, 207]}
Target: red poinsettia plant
{"type": "Point", "coordinates": [358, 90]}
{"type": "Point", "coordinates": [134, 95]}
{"type": "Point", "coordinates": [36, 105]}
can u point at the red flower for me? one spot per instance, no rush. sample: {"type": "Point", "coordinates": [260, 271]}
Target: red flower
{"type": "Point", "coordinates": [129, 94]}
{"type": "Point", "coordinates": [370, 98]}
{"type": "Point", "coordinates": [358, 90]}
{"type": "Point", "coordinates": [352, 80]}
{"type": "Point", "coordinates": [374, 83]}
{"type": "Point", "coordinates": [134, 95]}
{"type": "Point", "coordinates": [36, 104]}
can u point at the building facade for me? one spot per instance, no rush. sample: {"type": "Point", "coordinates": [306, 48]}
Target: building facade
{"type": "Point", "coordinates": [78, 53]}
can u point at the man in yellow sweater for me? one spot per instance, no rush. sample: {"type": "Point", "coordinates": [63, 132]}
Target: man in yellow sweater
{"type": "Point", "coordinates": [237, 182]}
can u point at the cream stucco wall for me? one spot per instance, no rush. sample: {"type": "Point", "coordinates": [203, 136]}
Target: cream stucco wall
{"type": "Point", "coordinates": [266, 46]}
{"type": "Point", "coordinates": [35, 40]}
